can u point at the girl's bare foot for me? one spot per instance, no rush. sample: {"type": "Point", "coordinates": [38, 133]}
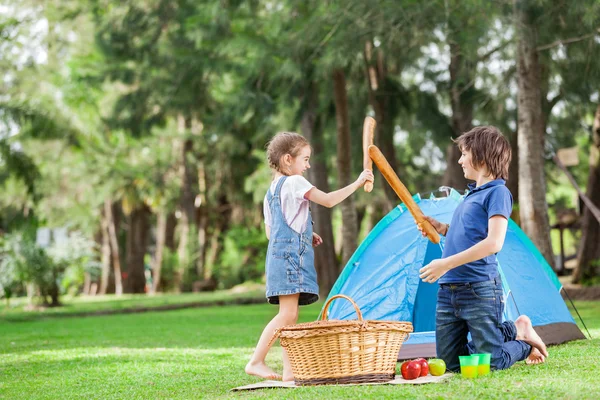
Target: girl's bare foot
{"type": "Point", "coordinates": [262, 371]}
{"type": "Point", "coordinates": [526, 333]}
{"type": "Point", "coordinates": [288, 376]}
{"type": "Point", "coordinates": [535, 357]}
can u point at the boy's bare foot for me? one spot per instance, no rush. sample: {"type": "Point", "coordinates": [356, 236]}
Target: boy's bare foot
{"type": "Point", "coordinates": [535, 357]}
{"type": "Point", "coordinates": [262, 371]}
{"type": "Point", "coordinates": [526, 333]}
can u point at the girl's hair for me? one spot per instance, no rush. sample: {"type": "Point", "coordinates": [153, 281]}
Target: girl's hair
{"type": "Point", "coordinates": [284, 143]}
{"type": "Point", "coordinates": [488, 147]}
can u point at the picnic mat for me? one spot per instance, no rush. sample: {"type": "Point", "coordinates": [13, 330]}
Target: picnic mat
{"type": "Point", "coordinates": [398, 381]}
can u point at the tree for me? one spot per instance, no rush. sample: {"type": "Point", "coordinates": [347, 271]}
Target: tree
{"type": "Point", "coordinates": [588, 257]}
{"type": "Point", "coordinates": [532, 184]}
{"type": "Point", "coordinates": [344, 165]}
{"type": "Point", "coordinates": [311, 127]}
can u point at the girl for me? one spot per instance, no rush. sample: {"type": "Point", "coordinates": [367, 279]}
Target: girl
{"type": "Point", "coordinates": [290, 269]}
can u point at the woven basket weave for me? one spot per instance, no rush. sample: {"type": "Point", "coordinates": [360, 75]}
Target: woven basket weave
{"type": "Point", "coordinates": [339, 352]}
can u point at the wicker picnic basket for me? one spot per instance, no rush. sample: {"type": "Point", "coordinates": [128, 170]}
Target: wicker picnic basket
{"type": "Point", "coordinates": [340, 352]}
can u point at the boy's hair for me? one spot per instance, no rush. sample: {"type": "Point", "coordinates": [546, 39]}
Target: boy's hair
{"type": "Point", "coordinates": [284, 143]}
{"type": "Point", "coordinates": [489, 148]}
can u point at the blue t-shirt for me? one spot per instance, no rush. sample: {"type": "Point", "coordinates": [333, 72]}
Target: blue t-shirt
{"type": "Point", "coordinates": [469, 226]}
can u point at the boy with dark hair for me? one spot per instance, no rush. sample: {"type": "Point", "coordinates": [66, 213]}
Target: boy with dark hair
{"type": "Point", "coordinates": [470, 297]}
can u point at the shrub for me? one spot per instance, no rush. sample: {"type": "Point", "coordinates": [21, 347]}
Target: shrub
{"type": "Point", "coordinates": [75, 257]}
{"type": "Point", "coordinates": [55, 270]}
{"type": "Point", "coordinates": [243, 256]}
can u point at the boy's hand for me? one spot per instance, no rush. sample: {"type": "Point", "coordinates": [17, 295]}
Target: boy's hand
{"type": "Point", "coordinates": [437, 225]}
{"type": "Point", "coordinates": [434, 270]}
{"type": "Point", "coordinates": [316, 240]}
{"type": "Point", "coordinates": [366, 175]}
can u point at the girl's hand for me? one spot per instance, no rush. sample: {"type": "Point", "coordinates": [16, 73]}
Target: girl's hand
{"type": "Point", "coordinates": [437, 225]}
{"type": "Point", "coordinates": [366, 175]}
{"type": "Point", "coordinates": [316, 240]}
{"type": "Point", "coordinates": [434, 270]}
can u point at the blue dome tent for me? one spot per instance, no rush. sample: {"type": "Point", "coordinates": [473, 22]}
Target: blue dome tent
{"type": "Point", "coordinates": [382, 278]}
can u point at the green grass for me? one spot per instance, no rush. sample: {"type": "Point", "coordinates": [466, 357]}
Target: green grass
{"type": "Point", "coordinates": [201, 352]}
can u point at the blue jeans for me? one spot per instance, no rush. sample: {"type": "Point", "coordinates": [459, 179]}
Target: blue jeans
{"type": "Point", "coordinates": [476, 308]}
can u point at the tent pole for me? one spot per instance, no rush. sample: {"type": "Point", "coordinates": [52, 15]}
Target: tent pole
{"type": "Point", "coordinates": [514, 301]}
{"type": "Point", "coordinates": [576, 310]}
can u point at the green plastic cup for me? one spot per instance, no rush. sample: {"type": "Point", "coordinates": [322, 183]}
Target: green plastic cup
{"type": "Point", "coordinates": [469, 366]}
{"type": "Point", "coordinates": [483, 368]}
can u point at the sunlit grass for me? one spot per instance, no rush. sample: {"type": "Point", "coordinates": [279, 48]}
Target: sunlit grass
{"type": "Point", "coordinates": [201, 353]}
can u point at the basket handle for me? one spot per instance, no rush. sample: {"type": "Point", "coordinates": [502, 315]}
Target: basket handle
{"type": "Point", "coordinates": [341, 296]}
{"type": "Point", "coordinates": [274, 337]}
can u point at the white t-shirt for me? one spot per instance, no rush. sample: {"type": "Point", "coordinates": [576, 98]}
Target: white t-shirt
{"type": "Point", "coordinates": [293, 204]}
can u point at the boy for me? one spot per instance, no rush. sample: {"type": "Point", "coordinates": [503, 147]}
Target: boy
{"type": "Point", "coordinates": [470, 297]}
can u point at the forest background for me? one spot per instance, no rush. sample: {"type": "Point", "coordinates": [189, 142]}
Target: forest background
{"type": "Point", "coordinates": [132, 133]}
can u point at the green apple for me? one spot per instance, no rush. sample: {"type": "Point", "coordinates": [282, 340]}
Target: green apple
{"type": "Point", "coordinates": [437, 367]}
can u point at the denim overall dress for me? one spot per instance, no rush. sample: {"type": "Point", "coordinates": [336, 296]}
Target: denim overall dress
{"type": "Point", "coordinates": [290, 265]}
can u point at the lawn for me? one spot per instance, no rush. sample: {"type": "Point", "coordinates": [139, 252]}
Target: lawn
{"type": "Point", "coordinates": [98, 305]}
{"type": "Point", "coordinates": [201, 353]}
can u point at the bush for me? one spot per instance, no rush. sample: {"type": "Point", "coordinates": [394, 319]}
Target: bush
{"type": "Point", "coordinates": [8, 277]}
{"type": "Point", "coordinates": [243, 257]}
{"type": "Point", "coordinates": [30, 263]}
{"type": "Point", "coordinates": [55, 270]}
{"type": "Point", "coordinates": [170, 262]}
{"type": "Point", "coordinates": [75, 257]}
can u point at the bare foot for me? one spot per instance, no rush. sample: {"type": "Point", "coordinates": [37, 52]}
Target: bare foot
{"type": "Point", "coordinates": [262, 371]}
{"type": "Point", "coordinates": [288, 376]}
{"type": "Point", "coordinates": [526, 333]}
{"type": "Point", "coordinates": [535, 357]}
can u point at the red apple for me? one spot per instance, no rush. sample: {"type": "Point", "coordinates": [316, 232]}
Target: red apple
{"type": "Point", "coordinates": [410, 370]}
{"type": "Point", "coordinates": [424, 366]}
{"type": "Point", "coordinates": [403, 368]}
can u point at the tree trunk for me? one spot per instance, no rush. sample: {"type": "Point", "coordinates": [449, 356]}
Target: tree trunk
{"type": "Point", "coordinates": [170, 231]}
{"type": "Point", "coordinates": [371, 217]}
{"type": "Point", "coordinates": [462, 113]}
{"type": "Point", "coordinates": [164, 240]}
{"type": "Point", "coordinates": [325, 261]}
{"type": "Point", "coordinates": [54, 293]}
{"type": "Point", "coordinates": [361, 213]}
{"type": "Point", "coordinates": [532, 184]}
{"type": "Point", "coordinates": [379, 98]}
{"type": "Point", "coordinates": [114, 246]}
{"type": "Point", "coordinates": [30, 289]}
{"type": "Point", "coordinates": [53, 290]}
{"type": "Point", "coordinates": [588, 257]}
{"type": "Point", "coordinates": [87, 283]}
{"type": "Point", "coordinates": [344, 165]}
{"type": "Point", "coordinates": [137, 242]}
{"type": "Point", "coordinates": [212, 253]}
{"type": "Point", "coordinates": [161, 234]}
{"type": "Point", "coordinates": [187, 235]}
{"type": "Point", "coordinates": [202, 221]}
{"type": "Point", "coordinates": [105, 253]}
{"type": "Point", "coordinates": [513, 172]}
